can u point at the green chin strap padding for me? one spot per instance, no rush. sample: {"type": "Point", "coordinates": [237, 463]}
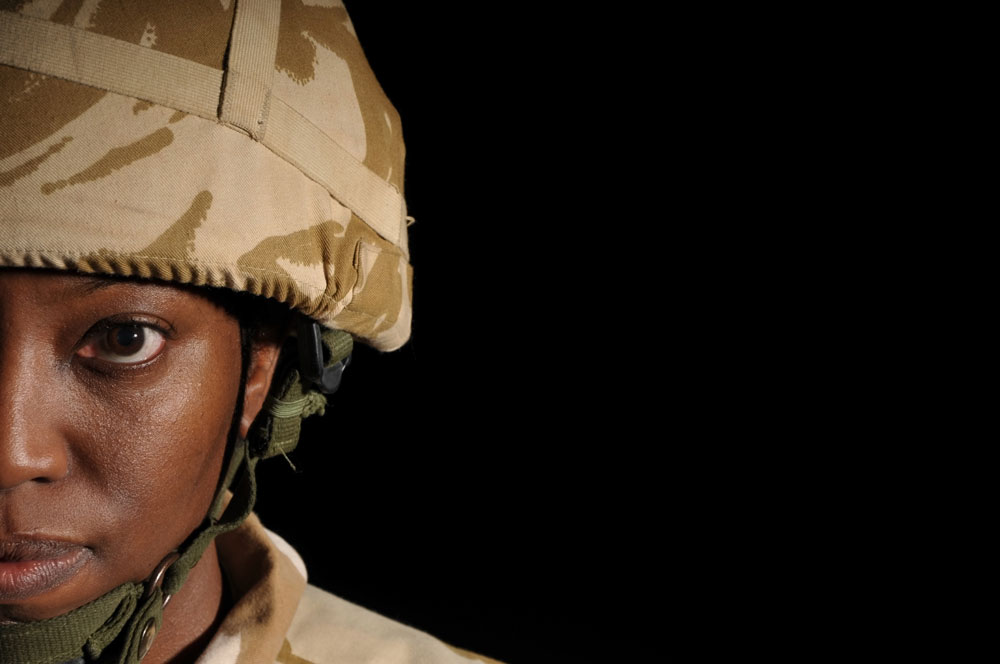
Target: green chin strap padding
{"type": "Point", "coordinates": [277, 431]}
{"type": "Point", "coordinates": [119, 627]}
{"type": "Point", "coordinates": [86, 630]}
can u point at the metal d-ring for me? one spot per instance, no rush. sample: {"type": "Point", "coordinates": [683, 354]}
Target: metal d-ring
{"type": "Point", "coordinates": [154, 583]}
{"type": "Point", "coordinates": [156, 578]}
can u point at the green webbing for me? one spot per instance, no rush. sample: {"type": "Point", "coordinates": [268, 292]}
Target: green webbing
{"type": "Point", "coordinates": [244, 496]}
{"type": "Point", "coordinates": [278, 432]}
{"type": "Point", "coordinates": [228, 477]}
{"type": "Point", "coordinates": [118, 618]}
{"type": "Point", "coordinates": [339, 344]}
{"type": "Point", "coordinates": [313, 402]}
{"type": "Point", "coordinates": [82, 631]}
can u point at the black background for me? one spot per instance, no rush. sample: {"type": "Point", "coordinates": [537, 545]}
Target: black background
{"type": "Point", "coordinates": [471, 483]}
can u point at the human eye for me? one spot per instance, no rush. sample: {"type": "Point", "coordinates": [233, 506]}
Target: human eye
{"type": "Point", "coordinates": [123, 342]}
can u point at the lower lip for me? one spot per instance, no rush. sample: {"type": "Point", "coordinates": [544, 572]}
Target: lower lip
{"type": "Point", "coordinates": [26, 578]}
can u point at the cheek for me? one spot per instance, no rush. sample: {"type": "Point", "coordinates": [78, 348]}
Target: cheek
{"type": "Point", "coordinates": [150, 450]}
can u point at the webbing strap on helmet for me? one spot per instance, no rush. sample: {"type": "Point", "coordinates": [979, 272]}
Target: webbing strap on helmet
{"type": "Point", "coordinates": [277, 430]}
{"type": "Point", "coordinates": [119, 627]}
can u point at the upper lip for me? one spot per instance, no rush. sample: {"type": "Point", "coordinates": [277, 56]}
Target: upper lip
{"type": "Point", "coordinates": [17, 549]}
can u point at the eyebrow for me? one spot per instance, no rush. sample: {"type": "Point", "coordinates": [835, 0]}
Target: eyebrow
{"type": "Point", "coordinates": [90, 285]}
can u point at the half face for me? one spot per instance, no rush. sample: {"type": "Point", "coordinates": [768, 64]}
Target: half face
{"type": "Point", "coordinates": [116, 400]}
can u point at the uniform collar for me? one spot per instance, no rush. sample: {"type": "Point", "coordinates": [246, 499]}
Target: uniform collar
{"type": "Point", "coordinates": [267, 579]}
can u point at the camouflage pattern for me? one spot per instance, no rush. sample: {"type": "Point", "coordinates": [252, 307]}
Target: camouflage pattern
{"type": "Point", "coordinates": [276, 617]}
{"type": "Point", "coordinates": [100, 182]}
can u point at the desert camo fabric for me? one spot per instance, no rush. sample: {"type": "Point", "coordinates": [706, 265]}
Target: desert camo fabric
{"type": "Point", "coordinates": [277, 617]}
{"type": "Point", "coordinates": [119, 179]}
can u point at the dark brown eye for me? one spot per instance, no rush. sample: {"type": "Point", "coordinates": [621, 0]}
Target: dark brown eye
{"type": "Point", "coordinates": [125, 344]}
{"type": "Point", "coordinates": [125, 341]}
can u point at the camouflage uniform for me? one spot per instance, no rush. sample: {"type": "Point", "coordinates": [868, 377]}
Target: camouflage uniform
{"type": "Point", "coordinates": [303, 624]}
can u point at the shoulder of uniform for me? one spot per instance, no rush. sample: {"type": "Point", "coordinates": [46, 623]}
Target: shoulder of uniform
{"type": "Point", "coordinates": [473, 656]}
{"type": "Point", "coordinates": [327, 628]}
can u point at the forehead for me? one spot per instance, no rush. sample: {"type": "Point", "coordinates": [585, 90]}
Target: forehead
{"type": "Point", "coordinates": [39, 289]}
{"type": "Point", "coordinates": [54, 284]}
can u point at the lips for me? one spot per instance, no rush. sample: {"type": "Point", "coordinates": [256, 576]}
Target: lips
{"type": "Point", "coordinates": [29, 567]}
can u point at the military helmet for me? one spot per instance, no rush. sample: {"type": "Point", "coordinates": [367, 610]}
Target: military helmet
{"type": "Point", "coordinates": [244, 145]}
{"type": "Point", "coordinates": [237, 144]}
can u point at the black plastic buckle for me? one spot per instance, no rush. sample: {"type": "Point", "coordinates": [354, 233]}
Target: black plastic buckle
{"type": "Point", "coordinates": [312, 363]}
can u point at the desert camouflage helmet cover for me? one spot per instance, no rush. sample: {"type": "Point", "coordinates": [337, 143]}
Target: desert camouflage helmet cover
{"type": "Point", "coordinates": [235, 143]}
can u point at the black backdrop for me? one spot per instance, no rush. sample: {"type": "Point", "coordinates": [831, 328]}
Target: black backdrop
{"type": "Point", "coordinates": [406, 500]}
{"type": "Point", "coordinates": [453, 485]}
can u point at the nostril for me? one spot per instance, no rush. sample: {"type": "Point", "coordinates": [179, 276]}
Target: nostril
{"type": "Point", "coordinates": [22, 463]}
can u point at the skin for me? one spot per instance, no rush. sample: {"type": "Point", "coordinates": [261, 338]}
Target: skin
{"type": "Point", "coordinates": [119, 457]}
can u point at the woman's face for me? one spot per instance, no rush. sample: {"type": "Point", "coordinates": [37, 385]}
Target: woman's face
{"type": "Point", "coordinates": [116, 399]}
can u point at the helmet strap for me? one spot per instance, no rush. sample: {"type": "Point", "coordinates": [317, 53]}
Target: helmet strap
{"type": "Point", "coordinates": [120, 626]}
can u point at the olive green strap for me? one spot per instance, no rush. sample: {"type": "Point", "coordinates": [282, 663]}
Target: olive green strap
{"type": "Point", "coordinates": [135, 637]}
{"type": "Point", "coordinates": [120, 626]}
{"type": "Point", "coordinates": [313, 402]}
{"type": "Point", "coordinates": [278, 431]}
{"type": "Point", "coordinates": [85, 631]}
{"type": "Point", "coordinates": [244, 496]}
{"type": "Point", "coordinates": [339, 343]}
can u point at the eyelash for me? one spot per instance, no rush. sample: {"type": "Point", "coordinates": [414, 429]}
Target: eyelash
{"type": "Point", "coordinates": [94, 348]}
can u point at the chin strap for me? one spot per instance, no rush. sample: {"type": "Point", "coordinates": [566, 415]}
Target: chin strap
{"type": "Point", "coordinates": [139, 632]}
{"type": "Point", "coordinates": [120, 626]}
{"type": "Point", "coordinates": [69, 636]}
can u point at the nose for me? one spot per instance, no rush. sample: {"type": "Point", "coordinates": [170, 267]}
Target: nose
{"type": "Point", "coordinates": [30, 448]}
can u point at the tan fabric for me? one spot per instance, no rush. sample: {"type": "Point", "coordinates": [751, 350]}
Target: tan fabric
{"type": "Point", "coordinates": [278, 618]}
{"type": "Point", "coordinates": [94, 60]}
{"type": "Point", "coordinates": [251, 66]}
{"type": "Point", "coordinates": [474, 657]}
{"type": "Point", "coordinates": [133, 145]}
